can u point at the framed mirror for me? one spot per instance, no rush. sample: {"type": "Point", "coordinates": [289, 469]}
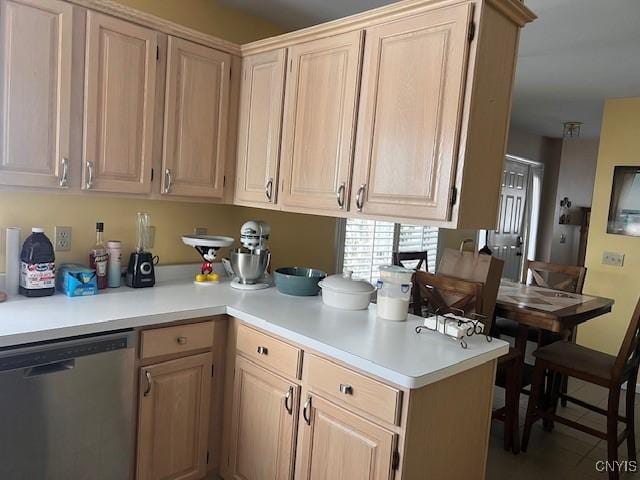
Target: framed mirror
{"type": "Point", "coordinates": [624, 208]}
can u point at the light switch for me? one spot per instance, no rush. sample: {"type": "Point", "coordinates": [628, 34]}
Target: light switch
{"type": "Point", "coordinates": [614, 259]}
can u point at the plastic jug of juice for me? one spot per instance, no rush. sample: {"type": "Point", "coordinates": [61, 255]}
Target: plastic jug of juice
{"type": "Point", "coordinates": [37, 265]}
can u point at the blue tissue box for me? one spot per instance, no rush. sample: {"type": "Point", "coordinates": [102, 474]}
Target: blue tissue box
{"type": "Point", "coordinates": [76, 280]}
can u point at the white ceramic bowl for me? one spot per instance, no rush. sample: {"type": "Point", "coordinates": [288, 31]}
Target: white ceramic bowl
{"type": "Point", "coordinates": [341, 291]}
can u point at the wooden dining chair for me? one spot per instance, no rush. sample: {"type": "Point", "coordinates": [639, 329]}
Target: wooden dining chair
{"type": "Point", "coordinates": [568, 359]}
{"type": "Point", "coordinates": [441, 294]}
{"type": "Point", "coordinates": [418, 260]}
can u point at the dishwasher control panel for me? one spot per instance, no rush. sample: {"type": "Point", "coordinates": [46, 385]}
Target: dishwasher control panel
{"type": "Point", "coordinates": [51, 354]}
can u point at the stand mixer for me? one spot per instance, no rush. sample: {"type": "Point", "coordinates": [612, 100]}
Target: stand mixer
{"type": "Point", "coordinates": [249, 262]}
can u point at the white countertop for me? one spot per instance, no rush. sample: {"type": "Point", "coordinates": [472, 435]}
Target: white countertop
{"type": "Point", "coordinates": [389, 350]}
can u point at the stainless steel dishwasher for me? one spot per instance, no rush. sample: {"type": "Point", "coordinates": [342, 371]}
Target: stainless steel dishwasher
{"type": "Point", "coordinates": [66, 409]}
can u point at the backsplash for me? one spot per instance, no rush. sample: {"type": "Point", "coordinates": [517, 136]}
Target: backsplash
{"type": "Point", "coordinates": [296, 239]}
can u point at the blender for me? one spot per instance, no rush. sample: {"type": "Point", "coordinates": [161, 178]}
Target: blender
{"type": "Point", "coordinates": [141, 271]}
{"type": "Point", "coordinates": [249, 262]}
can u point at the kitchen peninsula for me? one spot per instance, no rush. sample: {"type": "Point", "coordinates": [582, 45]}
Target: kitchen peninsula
{"type": "Point", "coordinates": [405, 392]}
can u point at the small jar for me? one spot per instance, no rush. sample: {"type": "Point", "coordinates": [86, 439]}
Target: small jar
{"type": "Point", "coordinates": [114, 274]}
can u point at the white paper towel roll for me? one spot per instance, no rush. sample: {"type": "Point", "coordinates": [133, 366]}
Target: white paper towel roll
{"type": "Point", "coordinates": [13, 260]}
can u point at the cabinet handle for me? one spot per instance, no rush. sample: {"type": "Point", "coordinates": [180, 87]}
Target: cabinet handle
{"type": "Point", "coordinates": [263, 351]}
{"type": "Point", "coordinates": [268, 189]}
{"type": "Point", "coordinates": [147, 374]}
{"type": "Point", "coordinates": [340, 195]}
{"type": "Point", "coordinates": [288, 405]}
{"type": "Point", "coordinates": [306, 411]}
{"type": "Point", "coordinates": [181, 340]}
{"type": "Point", "coordinates": [360, 197]}
{"type": "Point", "coordinates": [168, 180]}
{"type": "Point", "coordinates": [89, 184]}
{"type": "Point", "coordinates": [346, 389]}
{"type": "Point", "coordinates": [64, 176]}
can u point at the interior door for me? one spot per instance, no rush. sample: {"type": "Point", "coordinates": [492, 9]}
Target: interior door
{"type": "Point", "coordinates": [413, 85]}
{"type": "Point", "coordinates": [508, 240]}
{"type": "Point", "coordinates": [173, 419]}
{"type": "Point", "coordinates": [261, 100]}
{"type": "Point", "coordinates": [195, 121]}
{"type": "Point", "coordinates": [35, 86]}
{"type": "Point", "coordinates": [120, 89]}
{"type": "Point", "coordinates": [338, 444]}
{"type": "Point", "coordinates": [319, 122]}
{"type": "Point", "coordinates": [263, 424]}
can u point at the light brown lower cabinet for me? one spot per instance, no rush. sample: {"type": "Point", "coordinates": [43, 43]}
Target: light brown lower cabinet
{"type": "Point", "coordinates": [173, 419]}
{"type": "Point", "coordinates": [265, 409]}
{"type": "Point", "coordinates": [335, 443]}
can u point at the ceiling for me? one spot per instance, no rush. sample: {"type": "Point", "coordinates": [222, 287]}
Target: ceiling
{"type": "Point", "coordinates": [575, 55]}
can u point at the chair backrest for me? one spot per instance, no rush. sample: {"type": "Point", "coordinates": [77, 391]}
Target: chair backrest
{"type": "Point", "coordinates": [628, 357]}
{"type": "Point", "coordinates": [422, 259]}
{"type": "Point", "coordinates": [447, 294]}
{"type": "Point", "coordinates": [571, 277]}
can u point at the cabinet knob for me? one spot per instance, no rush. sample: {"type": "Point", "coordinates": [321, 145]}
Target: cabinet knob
{"type": "Point", "coordinates": [263, 351]}
{"type": "Point", "coordinates": [181, 340]}
{"type": "Point", "coordinates": [346, 389]}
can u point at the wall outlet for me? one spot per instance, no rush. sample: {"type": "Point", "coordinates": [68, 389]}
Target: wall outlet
{"type": "Point", "coordinates": [200, 231]}
{"type": "Point", "coordinates": [63, 239]}
{"type": "Point", "coordinates": [614, 259]}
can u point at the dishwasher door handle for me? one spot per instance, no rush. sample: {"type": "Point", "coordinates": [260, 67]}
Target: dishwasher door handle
{"type": "Point", "coordinates": [50, 368]}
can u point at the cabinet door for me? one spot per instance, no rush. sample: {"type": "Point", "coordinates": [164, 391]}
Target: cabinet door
{"type": "Point", "coordinates": [319, 122]}
{"type": "Point", "coordinates": [35, 81]}
{"type": "Point", "coordinates": [265, 408]}
{"type": "Point", "coordinates": [195, 120]}
{"type": "Point", "coordinates": [173, 419]}
{"type": "Point", "coordinates": [261, 98]}
{"type": "Point", "coordinates": [335, 443]}
{"type": "Point", "coordinates": [120, 84]}
{"type": "Point", "coordinates": [410, 112]}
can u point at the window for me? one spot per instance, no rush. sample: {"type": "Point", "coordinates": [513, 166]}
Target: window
{"type": "Point", "coordinates": [368, 244]}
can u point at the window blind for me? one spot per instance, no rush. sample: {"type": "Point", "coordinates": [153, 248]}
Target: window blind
{"type": "Point", "coordinates": [368, 244]}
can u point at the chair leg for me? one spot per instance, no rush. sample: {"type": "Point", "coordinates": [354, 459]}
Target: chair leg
{"type": "Point", "coordinates": [512, 401]}
{"type": "Point", "coordinates": [550, 402]}
{"type": "Point", "coordinates": [571, 337]}
{"type": "Point", "coordinates": [630, 414]}
{"type": "Point", "coordinates": [537, 384]}
{"type": "Point", "coordinates": [612, 430]}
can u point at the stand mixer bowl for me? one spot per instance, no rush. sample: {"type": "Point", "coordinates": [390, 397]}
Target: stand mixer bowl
{"type": "Point", "coordinates": [249, 266]}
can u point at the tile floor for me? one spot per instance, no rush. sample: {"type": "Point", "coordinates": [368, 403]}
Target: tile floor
{"type": "Point", "coordinates": [565, 453]}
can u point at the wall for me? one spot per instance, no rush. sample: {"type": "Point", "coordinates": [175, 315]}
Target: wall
{"type": "Point", "coordinates": [619, 145]}
{"type": "Point", "coordinates": [209, 16]}
{"type": "Point", "coordinates": [576, 177]}
{"type": "Point", "coordinates": [296, 239]}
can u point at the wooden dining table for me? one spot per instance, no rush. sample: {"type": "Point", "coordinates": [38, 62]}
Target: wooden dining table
{"type": "Point", "coordinates": [551, 310]}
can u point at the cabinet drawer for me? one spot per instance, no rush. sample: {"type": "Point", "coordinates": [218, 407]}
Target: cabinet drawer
{"type": "Point", "coordinates": [351, 388]}
{"type": "Point", "coordinates": [268, 351]}
{"type": "Point", "coordinates": [178, 339]}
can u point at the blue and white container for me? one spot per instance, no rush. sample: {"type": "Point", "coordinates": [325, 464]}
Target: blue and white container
{"type": "Point", "coordinates": [394, 293]}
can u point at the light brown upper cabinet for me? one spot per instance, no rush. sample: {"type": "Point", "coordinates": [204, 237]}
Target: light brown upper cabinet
{"type": "Point", "coordinates": [261, 97]}
{"type": "Point", "coordinates": [195, 120]}
{"type": "Point", "coordinates": [35, 86]}
{"type": "Point", "coordinates": [335, 443]}
{"type": "Point", "coordinates": [173, 419]}
{"type": "Point", "coordinates": [264, 421]}
{"type": "Point", "coordinates": [319, 123]}
{"type": "Point", "coordinates": [410, 113]}
{"type": "Point", "coordinates": [120, 83]}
